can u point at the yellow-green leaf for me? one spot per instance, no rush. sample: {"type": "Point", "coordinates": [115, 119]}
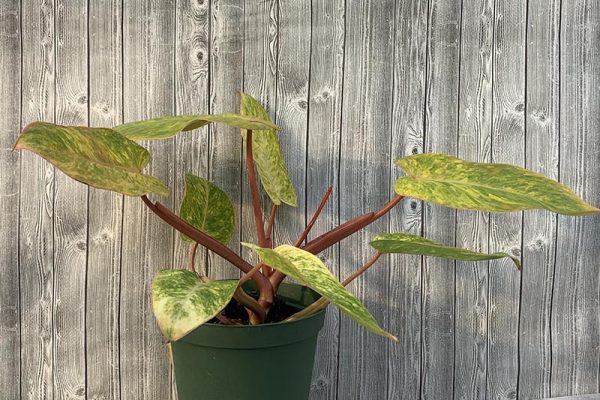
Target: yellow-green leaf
{"type": "Point", "coordinates": [166, 127]}
{"type": "Point", "coordinates": [267, 155]}
{"type": "Point", "coordinates": [98, 157]}
{"type": "Point", "coordinates": [412, 244]}
{"type": "Point", "coordinates": [310, 271]}
{"type": "Point", "coordinates": [451, 182]}
{"type": "Point", "coordinates": [207, 208]}
{"type": "Point", "coordinates": [181, 301]}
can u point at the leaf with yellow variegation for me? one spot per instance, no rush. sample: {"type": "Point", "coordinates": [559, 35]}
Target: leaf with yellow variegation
{"type": "Point", "coordinates": [267, 154]}
{"type": "Point", "coordinates": [182, 302]}
{"type": "Point", "coordinates": [166, 127]}
{"type": "Point", "coordinates": [99, 157]}
{"type": "Point", "coordinates": [451, 182]}
{"type": "Point", "coordinates": [310, 271]}
{"type": "Point", "coordinates": [412, 244]}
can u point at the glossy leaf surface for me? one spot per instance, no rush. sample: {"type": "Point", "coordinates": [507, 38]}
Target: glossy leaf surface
{"type": "Point", "coordinates": [181, 301]}
{"type": "Point", "coordinates": [310, 271]}
{"type": "Point", "coordinates": [268, 158]}
{"type": "Point", "coordinates": [412, 244]}
{"type": "Point", "coordinates": [451, 182]}
{"type": "Point", "coordinates": [207, 208]}
{"type": "Point", "coordinates": [99, 157]}
{"type": "Point", "coordinates": [166, 127]}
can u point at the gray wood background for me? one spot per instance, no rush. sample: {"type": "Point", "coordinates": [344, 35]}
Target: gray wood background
{"type": "Point", "coordinates": [355, 85]}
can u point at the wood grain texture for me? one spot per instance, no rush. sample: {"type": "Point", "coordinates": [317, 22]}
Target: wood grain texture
{"type": "Point", "coordinates": [410, 51]}
{"type": "Point", "coordinates": [10, 111]}
{"type": "Point", "coordinates": [507, 146]}
{"type": "Point", "coordinates": [70, 206]}
{"type": "Point", "coordinates": [355, 84]}
{"type": "Point", "coordinates": [227, 62]}
{"type": "Point", "coordinates": [105, 218]}
{"type": "Point", "coordinates": [440, 128]}
{"type": "Point", "coordinates": [472, 228]}
{"type": "Point", "coordinates": [539, 227]}
{"type": "Point", "coordinates": [148, 55]}
{"type": "Point", "coordinates": [36, 241]}
{"type": "Point", "coordinates": [365, 186]}
{"type": "Point", "coordinates": [322, 167]}
{"type": "Point", "coordinates": [575, 316]}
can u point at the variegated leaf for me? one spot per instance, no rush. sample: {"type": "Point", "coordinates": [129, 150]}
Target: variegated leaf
{"type": "Point", "coordinates": [267, 155]}
{"type": "Point", "coordinates": [99, 157]}
{"type": "Point", "coordinates": [310, 271]}
{"type": "Point", "coordinates": [449, 181]}
{"type": "Point", "coordinates": [207, 208]}
{"type": "Point", "coordinates": [166, 127]}
{"type": "Point", "coordinates": [181, 301]}
{"type": "Point", "coordinates": [412, 244]}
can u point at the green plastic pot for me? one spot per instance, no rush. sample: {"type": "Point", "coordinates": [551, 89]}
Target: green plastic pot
{"type": "Point", "coordinates": [241, 362]}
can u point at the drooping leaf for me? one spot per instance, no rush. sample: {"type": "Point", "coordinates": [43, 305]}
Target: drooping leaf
{"type": "Point", "coordinates": [166, 127]}
{"type": "Point", "coordinates": [451, 182]}
{"type": "Point", "coordinates": [267, 155]}
{"type": "Point", "coordinates": [99, 157]}
{"type": "Point", "coordinates": [207, 208]}
{"type": "Point", "coordinates": [181, 301]}
{"type": "Point", "coordinates": [412, 244]}
{"type": "Point", "coordinates": [310, 271]}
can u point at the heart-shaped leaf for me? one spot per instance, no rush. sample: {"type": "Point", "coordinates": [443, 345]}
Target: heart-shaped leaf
{"type": "Point", "coordinates": [310, 271]}
{"type": "Point", "coordinates": [99, 157]}
{"type": "Point", "coordinates": [166, 127]}
{"type": "Point", "coordinates": [451, 182]}
{"type": "Point", "coordinates": [412, 244]}
{"type": "Point", "coordinates": [207, 208]}
{"type": "Point", "coordinates": [182, 302]}
{"type": "Point", "coordinates": [267, 155]}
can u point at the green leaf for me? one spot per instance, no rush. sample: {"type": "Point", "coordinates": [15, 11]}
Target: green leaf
{"type": "Point", "coordinates": [267, 155]}
{"type": "Point", "coordinates": [451, 182]}
{"type": "Point", "coordinates": [412, 244]}
{"type": "Point", "coordinates": [207, 208]}
{"type": "Point", "coordinates": [99, 157]}
{"type": "Point", "coordinates": [181, 301]}
{"type": "Point", "coordinates": [166, 127]}
{"type": "Point", "coordinates": [310, 271]}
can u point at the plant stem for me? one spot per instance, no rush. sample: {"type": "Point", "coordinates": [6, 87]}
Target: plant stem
{"type": "Point", "coordinates": [192, 263]}
{"type": "Point", "coordinates": [323, 302]}
{"type": "Point", "coordinates": [277, 277]}
{"type": "Point", "coordinates": [262, 282]}
{"type": "Point", "coordinates": [270, 224]}
{"type": "Point", "coordinates": [341, 232]}
{"type": "Point", "coordinates": [258, 217]}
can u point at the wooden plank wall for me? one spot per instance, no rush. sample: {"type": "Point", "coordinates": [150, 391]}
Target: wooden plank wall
{"type": "Point", "coordinates": [355, 84]}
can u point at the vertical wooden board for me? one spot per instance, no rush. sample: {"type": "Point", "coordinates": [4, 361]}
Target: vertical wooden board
{"type": "Point", "coordinates": [475, 122]}
{"type": "Point", "coordinates": [410, 46]}
{"type": "Point", "coordinates": [364, 186]}
{"type": "Point", "coordinates": [441, 110]}
{"type": "Point", "coordinates": [105, 218]}
{"type": "Point", "coordinates": [261, 27]}
{"type": "Point", "coordinates": [191, 97]}
{"type": "Point", "coordinates": [226, 81]}
{"type": "Point", "coordinates": [70, 206]}
{"type": "Point", "coordinates": [322, 168]}
{"type": "Point", "coordinates": [539, 227]}
{"type": "Point", "coordinates": [147, 242]}
{"type": "Point", "coordinates": [293, 68]}
{"type": "Point", "coordinates": [10, 110]}
{"type": "Point", "coordinates": [575, 306]}
{"type": "Point", "coordinates": [36, 254]}
{"type": "Point", "coordinates": [508, 142]}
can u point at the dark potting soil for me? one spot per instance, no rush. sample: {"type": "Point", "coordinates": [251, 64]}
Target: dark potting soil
{"type": "Point", "coordinates": [236, 313]}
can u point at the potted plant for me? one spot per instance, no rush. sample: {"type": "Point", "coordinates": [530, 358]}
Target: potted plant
{"type": "Point", "coordinates": [255, 337]}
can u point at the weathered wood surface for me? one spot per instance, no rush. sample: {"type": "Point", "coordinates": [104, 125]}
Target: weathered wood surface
{"type": "Point", "coordinates": [355, 85]}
